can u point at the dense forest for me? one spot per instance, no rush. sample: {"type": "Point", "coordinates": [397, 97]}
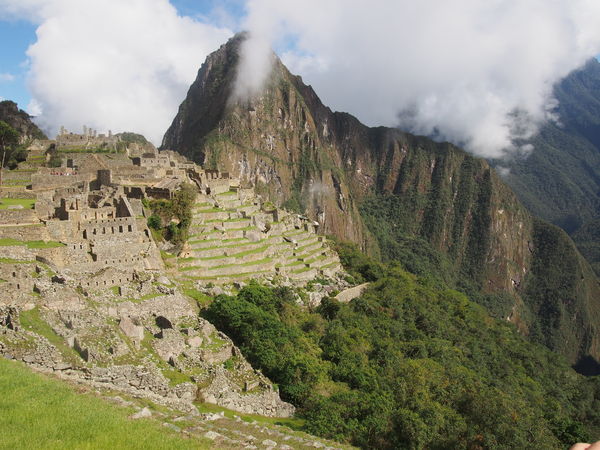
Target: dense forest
{"type": "Point", "coordinates": [409, 365]}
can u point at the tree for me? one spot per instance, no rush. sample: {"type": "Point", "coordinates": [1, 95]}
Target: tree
{"type": "Point", "coordinates": [8, 140]}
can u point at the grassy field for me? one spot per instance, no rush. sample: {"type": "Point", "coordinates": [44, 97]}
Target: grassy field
{"type": "Point", "coordinates": [26, 203]}
{"type": "Point", "coordinates": [39, 412]}
{"type": "Point", "coordinates": [8, 242]}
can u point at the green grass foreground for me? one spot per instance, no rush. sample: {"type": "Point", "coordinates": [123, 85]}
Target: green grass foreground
{"type": "Point", "coordinates": [38, 412]}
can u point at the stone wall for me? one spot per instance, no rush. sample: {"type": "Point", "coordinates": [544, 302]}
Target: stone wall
{"type": "Point", "coordinates": [25, 232]}
{"type": "Point", "coordinates": [17, 216]}
{"type": "Point", "coordinates": [352, 293]}
{"type": "Point", "coordinates": [47, 181]}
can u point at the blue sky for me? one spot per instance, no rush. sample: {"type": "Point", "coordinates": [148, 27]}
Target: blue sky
{"type": "Point", "coordinates": [18, 35]}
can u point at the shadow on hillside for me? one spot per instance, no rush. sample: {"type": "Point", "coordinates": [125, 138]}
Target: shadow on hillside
{"type": "Point", "coordinates": [587, 366]}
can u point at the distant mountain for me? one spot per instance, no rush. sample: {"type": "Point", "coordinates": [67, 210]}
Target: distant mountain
{"type": "Point", "coordinates": [434, 208]}
{"type": "Point", "coordinates": [560, 180]}
{"type": "Point", "coordinates": [20, 121]}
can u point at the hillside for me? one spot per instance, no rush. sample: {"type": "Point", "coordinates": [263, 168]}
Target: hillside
{"type": "Point", "coordinates": [559, 180]}
{"type": "Point", "coordinates": [20, 121]}
{"type": "Point", "coordinates": [408, 365]}
{"type": "Point", "coordinates": [432, 207]}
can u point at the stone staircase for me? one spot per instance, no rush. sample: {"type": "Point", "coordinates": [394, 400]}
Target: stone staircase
{"type": "Point", "coordinates": [220, 428]}
{"type": "Point", "coordinates": [234, 237]}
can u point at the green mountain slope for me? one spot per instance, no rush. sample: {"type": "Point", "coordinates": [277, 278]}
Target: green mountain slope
{"type": "Point", "coordinates": [431, 206]}
{"type": "Point", "coordinates": [560, 180]}
{"type": "Point", "coordinates": [20, 121]}
{"type": "Point", "coordinates": [408, 365]}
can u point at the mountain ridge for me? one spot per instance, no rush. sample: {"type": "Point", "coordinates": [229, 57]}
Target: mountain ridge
{"type": "Point", "coordinates": [328, 165]}
{"type": "Point", "coordinates": [558, 180]}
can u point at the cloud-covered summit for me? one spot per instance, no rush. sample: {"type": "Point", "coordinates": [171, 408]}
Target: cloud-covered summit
{"type": "Point", "coordinates": [477, 73]}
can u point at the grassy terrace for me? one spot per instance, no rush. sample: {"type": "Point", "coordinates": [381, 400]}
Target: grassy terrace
{"type": "Point", "coordinates": [235, 255]}
{"type": "Point", "coordinates": [40, 412]}
{"type": "Point", "coordinates": [26, 203]}
{"type": "Point", "coordinates": [242, 229]}
{"type": "Point", "coordinates": [304, 269]}
{"type": "Point", "coordinates": [225, 266]}
{"type": "Point", "coordinates": [308, 255]}
{"type": "Point", "coordinates": [294, 233]}
{"type": "Point", "coordinates": [209, 210]}
{"type": "Point", "coordinates": [226, 194]}
{"type": "Point", "coordinates": [15, 261]}
{"type": "Point", "coordinates": [23, 182]}
{"type": "Point", "coordinates": [8, 242]}
{"type": "Point", "coordinates": [238, 219]}
{"type": "Point", "coordinates": [234, 245]}
{"type": "Point", "coordinates": [313, 260]}
{"type": "Point", "coordinates": [295, 263]}
{"type": "Point", "coordinates": [86, 150]}
{"type": "Point", "coordinates": [241, 275]}
{"type": "Point", "coordinates": [314, 240]}
{"type": "Point", "coordinates": [202, 241]}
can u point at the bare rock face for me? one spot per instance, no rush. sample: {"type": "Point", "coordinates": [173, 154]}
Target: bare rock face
{"type": "Point", "coordinates": [131, 330]}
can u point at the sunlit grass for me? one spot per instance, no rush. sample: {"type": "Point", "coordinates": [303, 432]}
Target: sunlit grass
{"type": "Point", "coordinates": [39, 412]}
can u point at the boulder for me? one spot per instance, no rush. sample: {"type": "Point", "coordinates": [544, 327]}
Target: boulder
{"type": "Point", "coordinates": [131, 330]}
{"type": "Point", "coordinates": [195, 341]}
{"type": "Point", "coordinates": [142, 413]}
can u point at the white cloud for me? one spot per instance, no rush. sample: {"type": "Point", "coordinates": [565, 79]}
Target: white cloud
{"type": "Point", "coordinates": [6, 77]}
{"type": "Point", "coordinates": [123, 65]}
{"type": "Point", "coordinates": [478, 73]}
{"type": "Point", "coordinates": [475, 72]}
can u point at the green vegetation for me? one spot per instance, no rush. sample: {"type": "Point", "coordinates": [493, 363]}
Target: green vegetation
{"type": "Point", "coordinates": [409, 365]}
{"type": "Point", "coordinates": [392, 221]}
{"type": "Point", "coordinates": [201, 298]}
{"type": "Point", "coordinates": [55, 160]}
{"type": "Point", "coordinates": [32, 321]}
{"type": "Point", "coordinates": [5, 242]}
{"type": "Point", "coordinates": [131, 138]}
{"type": "Point", "coordinates": [16, 261]}
{"type": "Point", "coordinates": [11, 153]}
{"type": "Point", "coordinates": [171, 219]}
{"type": "Point", "coordinates": [587, 239]}
{"type": "Point", "coordinates": [558, 181]}
{"type": "Point", "coordinates": [38, 412]}
{"type": "Point", "coordinates": [551, 290]}
{"type": "Point", "coordinates": [26, 203]}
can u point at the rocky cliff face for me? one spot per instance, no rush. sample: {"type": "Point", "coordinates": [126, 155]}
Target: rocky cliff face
{"type": "Point", "coordinates": [20, 121]}
{"type": "Point", "coordinates": [377, 186]}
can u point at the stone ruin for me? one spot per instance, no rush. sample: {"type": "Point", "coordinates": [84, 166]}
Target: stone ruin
{"type": "Point", "coordinates": [113, 312]}
{"type": "Point", "coordinates": [88, 139]}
